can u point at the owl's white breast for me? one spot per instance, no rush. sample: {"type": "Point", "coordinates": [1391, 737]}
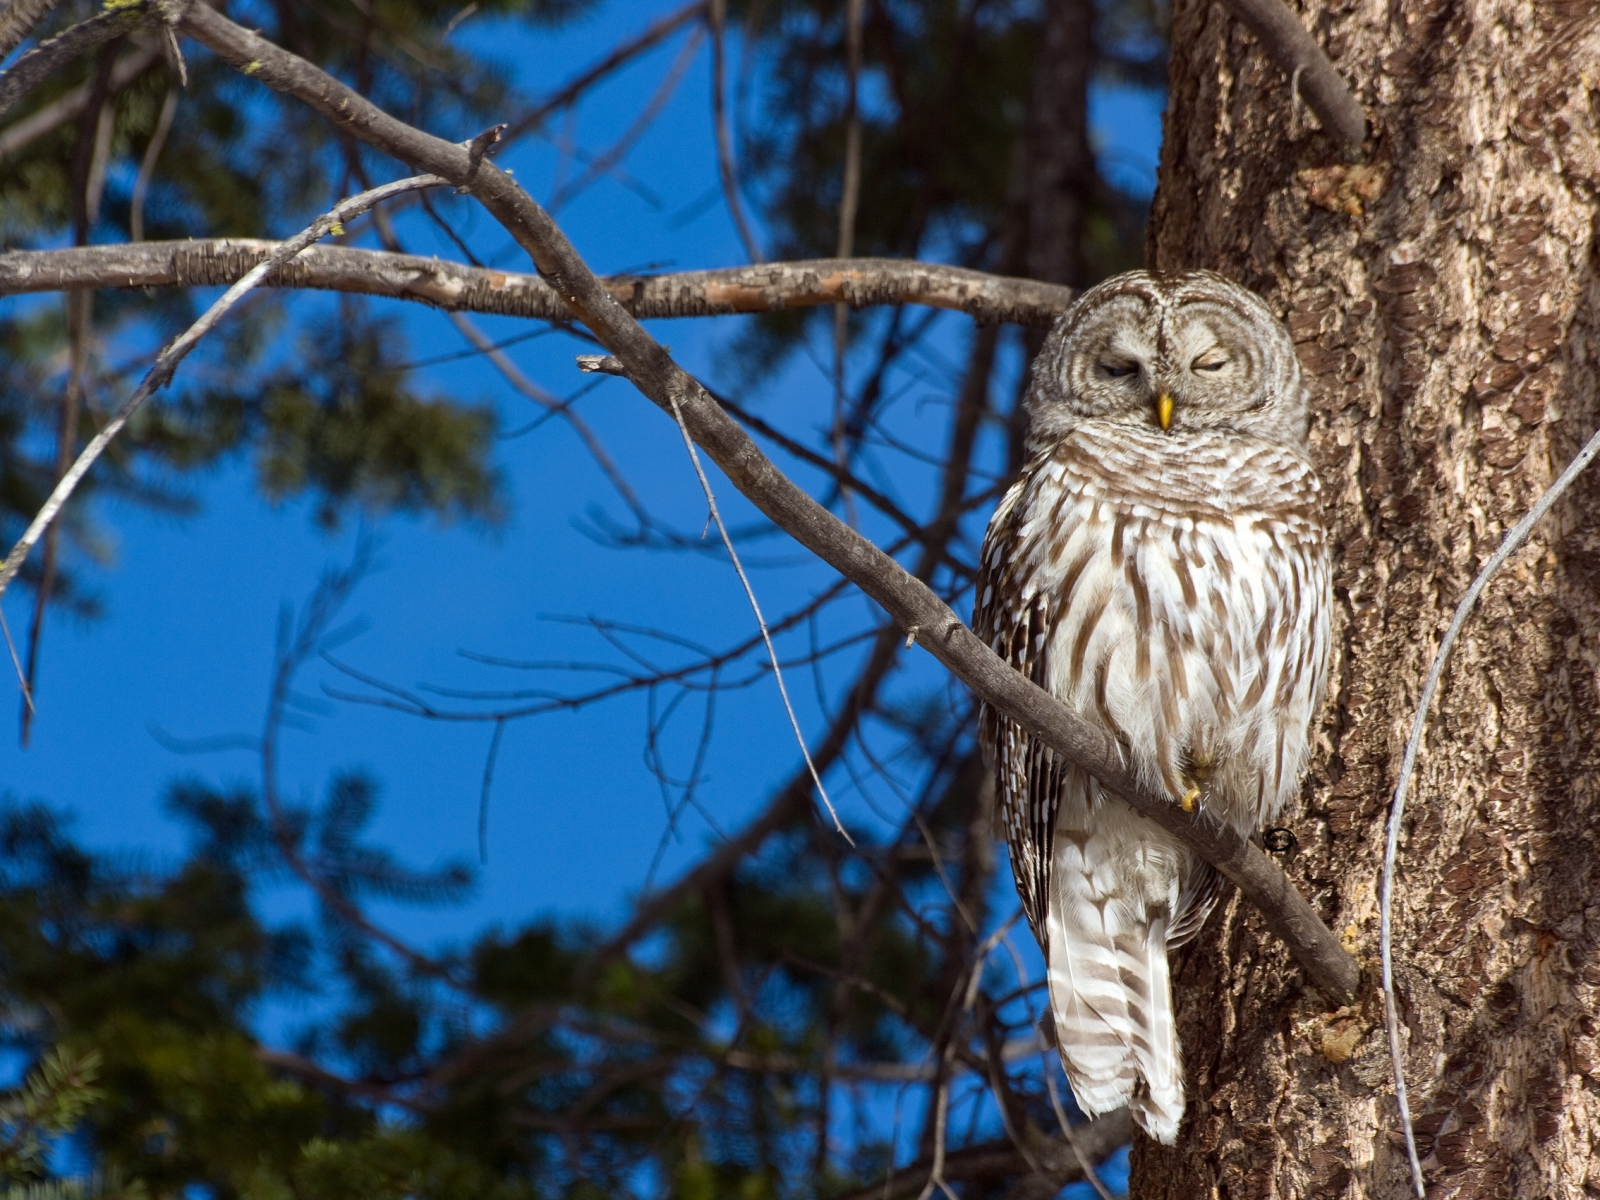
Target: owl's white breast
{"type": "Point", "coordinates": [1187, 583]}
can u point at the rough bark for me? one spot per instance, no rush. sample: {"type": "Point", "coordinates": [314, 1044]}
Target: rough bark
{"type": "Point", "coordinates": [1445, 303]}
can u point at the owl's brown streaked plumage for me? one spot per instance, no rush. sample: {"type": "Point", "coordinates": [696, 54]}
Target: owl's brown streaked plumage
{"type": "Point", "coordinates": [1161, 567]}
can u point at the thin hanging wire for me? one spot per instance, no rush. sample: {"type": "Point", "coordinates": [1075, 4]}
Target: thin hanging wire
{"type": "Point", "coordinates": [1512, 543]}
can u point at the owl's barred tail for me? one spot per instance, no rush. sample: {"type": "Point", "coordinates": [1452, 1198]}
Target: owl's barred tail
{"type": "Point", "coordinates": [1158, 1105]}
{"type": "Point", "coordinates": [1112, 1001]}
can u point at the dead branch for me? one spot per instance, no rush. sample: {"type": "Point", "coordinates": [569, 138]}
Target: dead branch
{"type": "Point", "coordinates": [727, 172]}
{"type": "Point", "coordinates": [1288, 44]}
{"type": "Point", "coordinates": [619, 56]}
{"type": "Point", "coordinates": [909, 601]}
{"type": "Point", "coordinates": [44, 60]}
{"type": "Point", "coordinates": [790, 801]}
{"type": "Point", "coordinates": [769, 287]}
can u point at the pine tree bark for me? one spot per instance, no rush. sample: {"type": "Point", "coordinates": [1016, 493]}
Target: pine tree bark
{"type": "Point", "coordinates": [1444, 299]}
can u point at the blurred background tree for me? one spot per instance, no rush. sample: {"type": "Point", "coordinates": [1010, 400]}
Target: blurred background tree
{"type": "Point", "coordinates": [791, 1015]}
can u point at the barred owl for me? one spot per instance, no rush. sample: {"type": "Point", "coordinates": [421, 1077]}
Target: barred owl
{"type": "Point", "coordinates": [1161, 567]}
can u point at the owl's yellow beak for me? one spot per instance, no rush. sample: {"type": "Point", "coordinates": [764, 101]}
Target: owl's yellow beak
{"type": "Point", "coordinates": [1164, 410]}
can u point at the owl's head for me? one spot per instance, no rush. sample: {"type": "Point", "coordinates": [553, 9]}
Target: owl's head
{"type": "Point", "coordinates": [1176, 354]}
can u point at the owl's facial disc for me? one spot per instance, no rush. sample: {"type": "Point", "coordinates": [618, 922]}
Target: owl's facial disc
{"type": "Point", "coordinates": [1181, 354]}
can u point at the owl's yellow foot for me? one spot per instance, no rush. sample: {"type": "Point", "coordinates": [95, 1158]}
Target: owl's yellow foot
{"type": "Point", "coordinates": [1189, 799]}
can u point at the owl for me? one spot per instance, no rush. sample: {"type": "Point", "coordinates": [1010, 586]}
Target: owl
{"type": "Point", "coordinates": [1160, 567]}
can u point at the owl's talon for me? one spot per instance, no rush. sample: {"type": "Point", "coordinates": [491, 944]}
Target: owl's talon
{"type": "Point", "coordinates": [1189, 799]}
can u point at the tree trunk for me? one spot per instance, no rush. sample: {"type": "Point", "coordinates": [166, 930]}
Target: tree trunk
{"type": "Point", "coordinates": [1444, 301]}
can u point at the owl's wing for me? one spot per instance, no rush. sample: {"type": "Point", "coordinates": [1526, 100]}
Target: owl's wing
{"type": "Point", "coordinates": [1014, 615]}
{"type": "Point", "coordinates": [1204, 886]}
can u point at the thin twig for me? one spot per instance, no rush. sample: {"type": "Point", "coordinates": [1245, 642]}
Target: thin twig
{"type": "Point", "coordinates": [755, 607]}
{"type": "Point", "coordinates": [16, 663]}
{"type": "Point", "coordinates": [849, 196]}
{"type": "Point", "coordinates": [554, 407]}
{"type": "Point", "coordinates": [727, 172]}
{"type": "Point", "coordinates": [1512, 542]}
{"type": "Point", "coordinates": [617, 57]}
{"type": "Point", "coordinates": [483, 794]}
{"type": "Point", "coordinates": [88, 181]}
{"type": "Point", "coordinates": [177, 350]}
{"type": "Point", "coordinates": [603, 163]}
{"type": "Point", "coordinates": [147, 165]}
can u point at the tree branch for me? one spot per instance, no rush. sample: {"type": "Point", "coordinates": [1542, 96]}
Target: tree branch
{"type": "Point", "coordinates": [618, 56]}
{"type": "Point", "coordinates": [1288, 44]}
{"type": "Point", "coordinates": [770, 287]}
{"type": "Point", "coordinates": [925, 617]}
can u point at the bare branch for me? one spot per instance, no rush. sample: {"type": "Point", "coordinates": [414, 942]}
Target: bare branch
{"type": "Point", "coordinates": [167, 362]}
{"type": "Point", "coordinates": [532, 391]}
{"type": "Point", "coordinates": [312, 1072]}
{"type": "Point", "coordinates": [908, 600]}
{"type": "Point", "coordinates": [790, 801]}
{"type": "Point", "coordinates": [769, 287]}
{"type": "Point", "coordinates": [727, 172]}
{"type": "Point", "coordinates": [44, 60]}
{"type": "Point", "coordinates": [850, 194]}
{"type": "Point", "coordinates": [1288, 44]}
{"type": "Point", "coordinates": [620, 55]}
{"type": "Point", "coordinates": [602, 164]}
{"type": "Point", "coordinates": [147, 164]}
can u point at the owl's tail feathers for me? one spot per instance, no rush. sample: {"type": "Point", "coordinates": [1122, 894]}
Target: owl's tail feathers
{"type": "Point", "coordinates": [1112, 1002]}
{"type": "Point", "coordinates": [1158, 1104]}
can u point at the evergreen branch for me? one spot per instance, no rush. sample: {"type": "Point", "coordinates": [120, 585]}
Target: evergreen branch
{"type": "Point", "coordinates": [768, 287]}
{"type": "Point", "coordinates": [44, 60]}
{"type": "Point", "coordinates": [51, 1101]}
{"type": "Point", "coordinates": [69, 106]}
